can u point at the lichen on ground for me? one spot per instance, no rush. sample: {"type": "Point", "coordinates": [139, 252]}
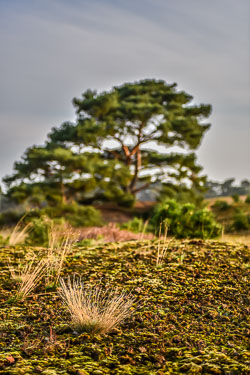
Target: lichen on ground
{"type": "Point", "coordinates": [192, 315]}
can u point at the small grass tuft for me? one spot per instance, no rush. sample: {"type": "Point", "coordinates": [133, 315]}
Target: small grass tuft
{"type": "Point", "coordinates": [93, 309]}
{"type": "Point", "coordinates": [19, 233]}
{"type": "Point", "coordinates": [61, 241]}
{"type": "Point", "coordinates": [28, 278]}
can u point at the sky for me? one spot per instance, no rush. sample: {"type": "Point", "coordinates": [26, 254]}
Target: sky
{"type": "Point", "coordinates": [53, 50]}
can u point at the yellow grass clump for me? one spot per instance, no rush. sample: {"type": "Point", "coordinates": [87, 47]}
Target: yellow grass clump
{"type": "Point", "coordinates": [19, 233]}
{"type": "Point", "coordinates": [94, 309]}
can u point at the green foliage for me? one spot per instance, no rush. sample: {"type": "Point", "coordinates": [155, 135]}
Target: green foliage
{"type": "Point", "coordinates": [247, 200]}
{"type": "Point", "coordinates": [135, 225]}
{"type": "Point", "coordinates": [221, 205]}
{"type": "Point", "coordinates": [126, 200]}
{"type": "Point", "coordinates": [183, 193]}
{"type": "Point", "coordinates": [40, 231]}
{"type": "Point", "coordinates": [78, 164]}
{"type": "Point", "coordinates": [184, 221]}
{"type": "Point", "coordinates": [76, 215]}
{"type": "Point", "coordinates": [10, 217]}
{"type": "Point", "coordinates": [82, 216]}
{"type": "Point", "coordinates": [236, 198]}
{"type": "Point", "coordinates": [240, 221]}
{"type": "Point", "coordinates": [85, 242]}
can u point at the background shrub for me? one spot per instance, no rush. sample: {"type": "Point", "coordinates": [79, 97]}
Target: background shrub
{"type": "Point", "coordinates": [241, 221]}
{"type": "Point", "coordinates": [247, 200]}
{"type": "Point", "coordinates": [135, 225]}
{"type": "Point", "coordinates": [221, 205]}
{"type": "Point", "coordinates": [39, 234]}
{"type": "Point", "coordinates": [236, 198]}
{"type": "Point", "coordinates": [185, 221]}
{"type": "Point", "coordinates": [11, 217]}
{"type": "Point", "coordinates": [76, 215]}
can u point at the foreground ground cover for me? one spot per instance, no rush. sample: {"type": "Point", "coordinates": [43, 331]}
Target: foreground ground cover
{"type": "Point", "coordinates": [192, 316]}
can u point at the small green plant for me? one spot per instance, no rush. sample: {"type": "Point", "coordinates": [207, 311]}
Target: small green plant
{"type": "Point", "coordinates": [135, 225]}
{"type": "Point", "coordinates": [85, 242]}
{"type": "Point", "coordinates": [94, 309]}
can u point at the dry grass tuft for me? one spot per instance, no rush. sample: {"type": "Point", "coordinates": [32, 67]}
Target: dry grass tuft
{"type": "Point", "coordinates": [59, 234]}
{"type": "Point", "coordinates": [28, 277]}
{"type": "Point", "coordinates": [19, 233]}
{"type": "Point", "coordinates": [61, 240]}
{"type": "Point", "coordinates": [162, 246]}
{"type": "Point", "coordinates": [94, 310]}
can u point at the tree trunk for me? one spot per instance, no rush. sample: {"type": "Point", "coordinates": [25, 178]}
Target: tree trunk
{"type": "Point", "coordinates": [137, 169]}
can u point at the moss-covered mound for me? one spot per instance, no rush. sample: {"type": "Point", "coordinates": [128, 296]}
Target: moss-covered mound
{"type": "Point", "coordinates": [192, 318]}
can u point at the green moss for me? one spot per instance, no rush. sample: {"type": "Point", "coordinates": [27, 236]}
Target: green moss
{"type": "Point", "coordinates": [192, 319]}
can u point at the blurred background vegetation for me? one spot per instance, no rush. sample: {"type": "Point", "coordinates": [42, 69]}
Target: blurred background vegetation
{"type": "Point", "coordinates": [129, 158]}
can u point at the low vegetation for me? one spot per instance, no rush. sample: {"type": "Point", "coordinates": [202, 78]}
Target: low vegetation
{"type": "Point", "coordinates": [185, 221]}
{"type": "Point", "coordinates": [27, 278]}
{"type": "Point", "coordinates": [234, 216]}
{"type": "Point", "coordinates": [94, 309]}
{"type": "Point", "coordinates": [192, 314]}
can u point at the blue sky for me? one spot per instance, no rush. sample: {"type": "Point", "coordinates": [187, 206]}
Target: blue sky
{"type": "Point", "coordinates": [52, 50]}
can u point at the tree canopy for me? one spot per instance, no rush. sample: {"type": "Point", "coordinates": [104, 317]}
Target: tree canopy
{"type": "Point", "coordinates": [122, 142]}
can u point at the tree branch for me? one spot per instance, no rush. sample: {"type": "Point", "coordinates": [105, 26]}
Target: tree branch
{"type": "Point", "coordinates": [134, 191]}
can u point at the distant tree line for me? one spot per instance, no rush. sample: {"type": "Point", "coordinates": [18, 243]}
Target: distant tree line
{"type": "Point", "coordinates": [227, 188]}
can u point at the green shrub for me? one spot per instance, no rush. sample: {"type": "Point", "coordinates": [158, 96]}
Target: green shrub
{"type": "Point", "coordinates": [40, 231]}
{"type": "Point", "coordinates": [247, 200]}
{"type": "Point", "coordinates": [236, 198]}
{"type": "Point", "coordinates": [240, 221]}
{"type": "Point", "coordinates": [127, 200]}
{"type": "Point", "coordinates": [185, 221]}
{"type": "Point", "coordinates": [8, 218]}
{"type": "Point", "coordinates": [84, 217]}
{"type": "Point", "coordinates": [74, 214]}
{"type": "Point", "coordinates": [221, 205]}
{"type": "Point", "coordinates": [135, 225]}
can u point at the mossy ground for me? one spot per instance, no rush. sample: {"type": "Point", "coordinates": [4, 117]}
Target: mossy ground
{"type": "Point", "coordinates": [192, 318]}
